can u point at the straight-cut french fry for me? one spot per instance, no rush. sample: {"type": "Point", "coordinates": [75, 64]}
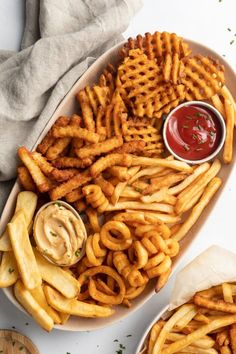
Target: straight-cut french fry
{"type": "Point", "coordinates": [39, 296]}
{"type": "Point", "coordinates": [40, 180]}
{"type": "Point", "coordinates": [209, 192]}
{"type": "Point", "coordinates": [75, 307]}
{"type": "Point", "coordinates": [57, 277]}
{"type": "Point", "coordinates": [228, 147]}
{"type": "Point", "coordinates": [26, 299]}
{"type": "Point", "coordinates": [174, 164]}
{"type": "Point", "coordinates": [197, 186]}
{"type": "Point", "coordinates": [217, 305]}
{"type": "Point", "coordinates": [192, 337]}
{"type": "Point", "coordinates": [8, 270]}
{"type": "Point", "coordinates": [23, 251]}
{"type": "Point", "coordinates": [166, 208]}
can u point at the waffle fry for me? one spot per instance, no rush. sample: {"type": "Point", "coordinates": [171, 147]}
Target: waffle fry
{"type": "Point", "coordinates": [157, 45]}
{"type": "Point", "coordinates": [134, 131]}
{"type": "Point", "coordinates": [202, 76]}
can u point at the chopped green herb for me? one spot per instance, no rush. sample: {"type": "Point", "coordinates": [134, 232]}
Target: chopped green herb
{"type": "Point", "coordinates": [194, 136]}
{"type": "Point", "coordinates": [122, 346]}
{"type": "Point", "coordinates": [229, 29]}
{"type": "Point", "coordinates": [186, 147]}
{"type": "Point", "coordinates": [53, 234]}
{"type": "Point", "coordinates": [199, 127]}
{"type": "Point", "coordinates": [198, 114]}
{"type": "Point", "coordinates": [115, 340]}
{"type": "Point", "coordinates": [223, 55]}
{"type": "Point", "coordinates": [68, 353]}
{"type": "Point", "coordinates": [138, 189]}
{"type": "Point", "coordinates": [45, 251]}
{"type": "Point", "coordinates": [189, 117]}
{"type": "Point", "coordinates": [77, 253]}
{"type": "Point", "coordinates": [129, 335]}
{"type": "Point", "coordinates": [185, 126]}
{"type": "Point", "coordinates": [231, 42]}
{"type": "Point", "coordinates": [201, 142]}
{"type": "Point", "coordinates": [58, 204]}
{"type": "Point", "coordinates": [11, 270]}
{"type": "Point", "coordinates": [212, 133]}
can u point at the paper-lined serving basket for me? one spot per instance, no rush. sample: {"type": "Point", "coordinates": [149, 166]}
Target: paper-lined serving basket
{"type": "Point", "coordinates": [214, 266]}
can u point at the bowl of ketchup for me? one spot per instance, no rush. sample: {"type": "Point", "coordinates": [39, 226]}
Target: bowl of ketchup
{"type": "Point", "coordinates": [194, 132]}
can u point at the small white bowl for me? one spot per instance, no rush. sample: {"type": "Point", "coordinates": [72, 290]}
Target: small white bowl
{"type": "Point", "coordinates": [218, 116]}
{"type": "Point", "coordinates": [67, 206]}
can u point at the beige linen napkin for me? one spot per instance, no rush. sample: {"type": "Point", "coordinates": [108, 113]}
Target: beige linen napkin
{"type": "Point", "coordinates": [61, 39]}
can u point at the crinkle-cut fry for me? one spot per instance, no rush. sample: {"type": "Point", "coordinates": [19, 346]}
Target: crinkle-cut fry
{"type": "Point", "coordinates": [100, 148]}
{"type": "Point", "coordinates": [25, 179]}
{"type": "Point", "coordinates": [106, 186]}
{"type": "Point", "coordinates": [64, 188]}
{"type": "Point", "coordinates": [101, 124]}
{"type": "Point", "coordinates": [174, 164]}
{"type": "Point", "coordinates": [162, 280]}
{"type": "Point", "coordinates": [189, 179]}
{"type": "Point", "coordinates": [71, 162]}
{"type": "Point", "coordinates": [50, 171]}
{"type": "Point", "coordinates": [164, 181]}
{"type": "Point", "coordinates": [32, 307]}
{"type": "Point", "coordinates": [75, 132]}
{"type": "Point", "coordinates": [197, 334]}
{"type": "Point", "coordinates": [108, 120]}
{"type": "Point", "coordinates": [208, 194]}
{"type": "Point", "coordinates": [41, 181]}
{"type": "Point", "coordinates": [133, 205]}
{"type": "Point", "coordinates": [227, 293]}
{"type": "Point", "coordinates": [228, 146]}
{"type": "Point", "coordinates": [93, 219]}
{"type": "Point", "coordinates": [166, 329]}
{"type": "Point", "coordinates": [197, 186]}
{"type": "Point", "coordinates": [110, 160]}
{"type": "Point", "coordinates": [25, 259]}
{"type": "Point", "coordinates": [217, 103]}
{"type": "Point", "coordinates": [134, 146]}
{"type": "Point", "coordinates": [87, 112]}
{"type": "Point", "coordinates": [45, 144]}
{"type": "Point", "coordinates": [57, 147]}
{"type": "Point", "coordinates": [39, 296]}
{"type": "Point", "coordinates": [75, 195]}
{"type": "Point", "coordinates": [8, 270]}
{"type": "Point", "coordinates": [75, 307]}
{"type": "Point", "coordinates": [217, 305]}
{"type": "Point", "coordinates": [57, 277]}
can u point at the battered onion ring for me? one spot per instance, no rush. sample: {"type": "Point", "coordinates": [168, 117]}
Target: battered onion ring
{"type": "Point", "coordinates": [98, 295]}
{"type": "Point", "coordinates": [112, 243]}
{"type": "Point", "coordinates": [94, 252]}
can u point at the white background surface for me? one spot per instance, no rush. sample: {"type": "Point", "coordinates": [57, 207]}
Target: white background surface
{"type": "Point", "coordinates": [205, 21]}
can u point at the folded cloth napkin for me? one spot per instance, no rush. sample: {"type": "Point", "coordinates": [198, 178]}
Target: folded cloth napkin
{"type": "Point", "coordinates": [61, 39]}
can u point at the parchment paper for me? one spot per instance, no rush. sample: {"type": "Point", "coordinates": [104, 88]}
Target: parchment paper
{"type": "Point", "coordinates": [214, 266]}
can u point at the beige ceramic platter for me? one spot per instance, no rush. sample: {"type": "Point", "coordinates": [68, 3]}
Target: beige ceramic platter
{"type": "Point", "coordinates": [69, 106]}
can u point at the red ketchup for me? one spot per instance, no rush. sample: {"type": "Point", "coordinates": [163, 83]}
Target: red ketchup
{"type": "Point", "coordinates": [193, 132]}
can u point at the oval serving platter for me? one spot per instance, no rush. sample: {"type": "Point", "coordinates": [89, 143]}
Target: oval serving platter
{"type": "Point", "coordinates": [67, 107]}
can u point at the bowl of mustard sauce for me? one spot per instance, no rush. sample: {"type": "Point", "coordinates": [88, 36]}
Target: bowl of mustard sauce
{"type": "Point", "coordinates": [59, 233]}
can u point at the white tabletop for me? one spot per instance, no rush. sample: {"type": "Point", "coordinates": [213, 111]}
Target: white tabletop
{"type": "Point", "coordinates": [204, 21]}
